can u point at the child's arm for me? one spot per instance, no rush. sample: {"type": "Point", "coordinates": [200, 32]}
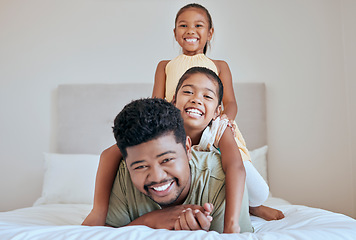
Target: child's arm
{"type": "Point", "coordinates": [107, 169]}
{"type": "Point", "coordinates": [159, 87]}
{"type": "Point", "coordinates": [234, 181]}
{"type": "Point", "coordinates": [229, 101]}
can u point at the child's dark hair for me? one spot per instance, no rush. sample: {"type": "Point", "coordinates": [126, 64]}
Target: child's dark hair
{"type": "Point", "coordinates": [198, 6]}
{"type": "Point", "coordinates": [147, 119]}
{"type": "Point", "coordinates": [207, 72]}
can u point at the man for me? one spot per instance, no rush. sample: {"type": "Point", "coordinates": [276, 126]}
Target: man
{"type": "Point", "coordinates": [163, 183]}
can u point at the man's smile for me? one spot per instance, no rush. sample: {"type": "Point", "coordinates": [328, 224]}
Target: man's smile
{"type": "Point", "coordinates": [161, 189]}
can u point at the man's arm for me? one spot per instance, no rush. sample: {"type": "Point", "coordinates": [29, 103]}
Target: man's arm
{"type": "Point", "coordinates": [163, 218]}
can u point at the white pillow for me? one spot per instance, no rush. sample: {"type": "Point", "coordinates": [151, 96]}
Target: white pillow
{"type": "Point", "coordinates": [68, 178]}
{"type": "Point", "coordinates": [259, 161]}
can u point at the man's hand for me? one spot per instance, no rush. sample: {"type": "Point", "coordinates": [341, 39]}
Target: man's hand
{"type": "Point", "coordinates": [165, 218]}
{"type": "Point", "coordinates": [193, 220]}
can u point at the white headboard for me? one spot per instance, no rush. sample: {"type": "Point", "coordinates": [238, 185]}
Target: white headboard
{"type": "Point", "coordinates": [86, 114]}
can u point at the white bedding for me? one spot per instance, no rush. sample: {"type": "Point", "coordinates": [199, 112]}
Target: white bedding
{"type": "Point", "coordinates": [62, 221]}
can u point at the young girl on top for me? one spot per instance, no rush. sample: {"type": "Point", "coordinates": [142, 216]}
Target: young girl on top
{"type": "Point", "coordinates": [193, 32]}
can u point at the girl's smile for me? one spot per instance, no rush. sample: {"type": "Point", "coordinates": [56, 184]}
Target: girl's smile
{"type": "Point", "coordinates": [194, 112]}
{"type": "Point", "coordinates": [193, 31]}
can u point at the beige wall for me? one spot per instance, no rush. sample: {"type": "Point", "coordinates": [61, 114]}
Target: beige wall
{"type": "Point", "coordinates": [303, 50]}
{"type": "Point", "coordinates": [349, 20]}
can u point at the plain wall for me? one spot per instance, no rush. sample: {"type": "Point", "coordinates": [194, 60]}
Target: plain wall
{"type": "Point", "coordinates": [349, 20]}
{"type": "Point", "coordinates": [302, 49]}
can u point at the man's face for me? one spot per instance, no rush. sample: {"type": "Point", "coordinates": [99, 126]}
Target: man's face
{"type": "Point", "coordinates": [160, 169]}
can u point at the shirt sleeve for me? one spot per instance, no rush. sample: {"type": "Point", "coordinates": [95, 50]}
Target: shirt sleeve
{"type": "Point", "coordinates": [212, 134]}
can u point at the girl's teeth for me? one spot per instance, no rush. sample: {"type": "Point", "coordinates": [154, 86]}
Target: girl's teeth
{"type": "Point", "coordinates": [191, 39]}
{"type": "Point", "coordinates": [194, 112]}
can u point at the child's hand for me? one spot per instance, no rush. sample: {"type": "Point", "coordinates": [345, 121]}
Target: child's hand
{"type": "Point", "coordinates": [231, 124]}
{"type": "Point", "coordinates": [95, 219]}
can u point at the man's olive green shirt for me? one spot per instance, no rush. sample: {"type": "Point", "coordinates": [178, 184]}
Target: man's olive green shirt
{"type": "Point", "coordinates": [207, 186]}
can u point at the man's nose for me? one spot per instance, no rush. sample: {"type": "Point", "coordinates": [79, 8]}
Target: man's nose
{"type": "Point", "coordinates": [157, 174]}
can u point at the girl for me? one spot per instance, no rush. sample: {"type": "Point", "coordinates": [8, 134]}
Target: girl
{"type": "Point", "coordinates": [193, 32]}
{"type": "Point", "coordinates": [198, 96]}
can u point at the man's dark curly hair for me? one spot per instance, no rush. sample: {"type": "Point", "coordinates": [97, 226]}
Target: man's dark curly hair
{"type": "Point", "coordinates": [147, 119]}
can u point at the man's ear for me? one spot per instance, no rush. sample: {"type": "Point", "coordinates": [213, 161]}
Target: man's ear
{"type": "Point", "coordinates": [188, 147]}
{"type": "Point", "coordinates": [217, 112]}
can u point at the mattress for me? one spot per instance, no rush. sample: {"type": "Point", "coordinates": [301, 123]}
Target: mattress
{"type": "Point", "coordinates": [62, 221]}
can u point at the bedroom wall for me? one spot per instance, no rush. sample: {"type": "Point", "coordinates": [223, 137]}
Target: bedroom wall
{"type": "Point", "coordinates": [303, 50]}
{"type": "Point", "coordinates": [349, 19]}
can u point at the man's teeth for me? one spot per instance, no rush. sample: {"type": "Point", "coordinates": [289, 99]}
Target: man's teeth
{"type": "Point", "coordinates": [191, 39]}
{"type": "Point", "coordinates": [162, 188]}
{"type": "Point", "coordinates": [194, 112]}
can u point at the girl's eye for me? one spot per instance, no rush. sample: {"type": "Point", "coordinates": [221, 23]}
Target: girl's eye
{"type": "Point", "coordinates": [199, 25]}
{"type": "Point", "coordinates": [208, 97]}
{"type": "Point", "coordinates": [183, 25]}
{"type": "Point", "coordinates": [187, 92]}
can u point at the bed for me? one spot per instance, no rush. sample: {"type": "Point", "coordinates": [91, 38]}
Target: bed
{"type": "Point", "coordinates": [85, 115]}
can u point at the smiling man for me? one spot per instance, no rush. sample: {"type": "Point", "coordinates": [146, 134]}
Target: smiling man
{"type": "Point", "coordinates": [163, 183]}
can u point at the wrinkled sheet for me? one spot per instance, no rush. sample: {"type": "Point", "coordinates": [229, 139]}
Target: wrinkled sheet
{"type": "Point", "coordinates": [62, 221]}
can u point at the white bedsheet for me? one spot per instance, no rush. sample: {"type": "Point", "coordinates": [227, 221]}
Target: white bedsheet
{"type": "Point", "coordinates": [62, 221]}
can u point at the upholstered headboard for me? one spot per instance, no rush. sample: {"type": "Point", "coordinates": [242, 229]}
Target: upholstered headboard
{"type": "Point", "coordinates": [85, 114]}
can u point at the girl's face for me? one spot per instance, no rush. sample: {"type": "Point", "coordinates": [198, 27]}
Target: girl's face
{"type": "Point", "coordinates": [192, 31]}
{"type": "Point", "coordinates": [197, 100]}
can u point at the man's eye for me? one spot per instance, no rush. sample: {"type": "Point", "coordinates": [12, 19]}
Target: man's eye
{"type": "Point", "coordinates": [140, 167]}
{"type": "Point", "coordinates": [198, 25]}
{"type": "Point", "coordinates": [183, 25]}
{"type": "Point", "coordinates": [167, 160]}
